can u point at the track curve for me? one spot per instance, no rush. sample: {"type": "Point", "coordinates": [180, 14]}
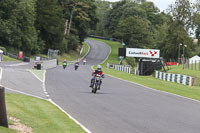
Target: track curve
{"type": "Point", "coordinates": [120, 106]}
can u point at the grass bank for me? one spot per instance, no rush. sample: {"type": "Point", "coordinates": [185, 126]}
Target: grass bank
{"type": "Point", "coordinates": [149, 81]}
{"type": "Point", "coordinates": [40, 115]}
{"type": "Point", "coordinates": [73, 55]}
{"type": "Point", "coordinates": [6, 58]}
{"type": "Point", "coordinates": [189, 72]}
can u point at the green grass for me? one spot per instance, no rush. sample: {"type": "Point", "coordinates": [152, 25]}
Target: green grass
{"type": "Point", "coordinates": [149, 81]}
{"type": "Point", "coordinates": [189, 72]}
{"type": "Point", "coordinates": [40, 115]}
{"type": "Point", "coordinates": [7, 130]}
{"type": "Point", "coordinates": [6, 58]}
{"type": "Point", "coordinates": [180, 70]}
{"type": "Point", "coordinates": [73, 55]}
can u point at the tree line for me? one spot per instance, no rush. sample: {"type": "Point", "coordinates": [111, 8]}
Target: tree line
{"type": "Point", "coordinates": [34, 26]}
{"type": "Point", "coordinates": [140, 24]}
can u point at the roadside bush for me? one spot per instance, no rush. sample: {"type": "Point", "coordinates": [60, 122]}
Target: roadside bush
{"type": "Point", "coordinates": [131, 61]}
{"type": "Point", "coordinates": [3, 48]}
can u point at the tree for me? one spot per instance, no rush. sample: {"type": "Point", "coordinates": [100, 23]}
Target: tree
{"type": "Point", "coordinates": [179, 30]}
{"type": "Point", "coordinates": [102, 8]}
{"type": "Point", "coordinates": [17, 27]}
{"type": "Point", "coordinates": [197, 20]}
{"type": "Point", "coordinates": [135, 32]}
{"type": "Point", "coordinates": [50, 24]}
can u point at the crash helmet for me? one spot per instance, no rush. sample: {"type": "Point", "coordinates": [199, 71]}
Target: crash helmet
{"type": "Point", "coordinates": [99, 67]}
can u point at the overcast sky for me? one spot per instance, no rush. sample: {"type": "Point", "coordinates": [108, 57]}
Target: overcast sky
{"type": "Point", "coordinates": [161, 4]}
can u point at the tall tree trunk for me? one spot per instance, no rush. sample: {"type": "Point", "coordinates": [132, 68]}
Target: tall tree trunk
{"type": "Point", "coordinates": [66, 27]}
{"type": "Point", "coordinates": [70, 22]}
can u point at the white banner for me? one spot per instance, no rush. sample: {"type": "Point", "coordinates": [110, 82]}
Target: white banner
{"type": "Point", "coordinates": [144, 53]}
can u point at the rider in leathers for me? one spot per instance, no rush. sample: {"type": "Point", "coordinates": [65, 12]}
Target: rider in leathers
{"type": "Point", "coordinates": [99, 72]}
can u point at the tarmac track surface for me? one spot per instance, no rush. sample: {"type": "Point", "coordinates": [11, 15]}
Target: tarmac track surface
{"type": "Point", "coordinates": [120, 106]}
{"type": "Point", "coordinates": [17, 79]}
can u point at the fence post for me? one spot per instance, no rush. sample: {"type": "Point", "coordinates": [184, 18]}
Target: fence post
{"type": "Point", "coordinates": [192, 65]}
{"type": "Point", "coordinates": [3, 114]}
{"type": "Point", "coordinates": [199, 65]}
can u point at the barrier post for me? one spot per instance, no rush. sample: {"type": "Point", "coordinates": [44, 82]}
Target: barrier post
{"type": "Point", "coordinates": [3, 114]}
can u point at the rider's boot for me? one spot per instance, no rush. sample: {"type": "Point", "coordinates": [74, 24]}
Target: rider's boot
{"type": "Point", "coordinates": [91, 83]}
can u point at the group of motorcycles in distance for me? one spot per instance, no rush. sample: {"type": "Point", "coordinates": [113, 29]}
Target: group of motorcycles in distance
{"type": "Point", "coordinates": [76, 65]}
{"type": "Point", "coordinates": [96, 81]}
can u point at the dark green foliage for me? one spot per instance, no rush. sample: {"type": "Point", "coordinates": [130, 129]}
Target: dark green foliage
{"type": "Point", "coordinates": [135, 32]}
{"type": "Point", "coordinates": [17, 29]}
{"type": "Point", "coordinates": [34, 26]}
{"type": "Point", "coordinates": [131, 61]}
{"type": "Point", "coordinates": [3, 48]}
{"type": "Point", "coordinates": [179, 30]}
{"type": "Point", "coordinates": [140, 24]}
{"type": "Point", "coordinates": [50, 23]}
{"type": "Point", "coordinates": [102, 8]}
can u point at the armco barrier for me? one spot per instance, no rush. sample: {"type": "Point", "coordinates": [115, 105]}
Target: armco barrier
{"type": "Point", "coordinates": [123, 68]}
{"type": "Point", "coordinates": [178, 78]}
{"type": "Point", "coordinates": [48, 64]}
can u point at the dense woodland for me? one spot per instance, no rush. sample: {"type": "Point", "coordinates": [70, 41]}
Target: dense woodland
{"type": "Point", "coordinates": [34, 26]}
{"type": "Point", "coordinates": [140, 24]}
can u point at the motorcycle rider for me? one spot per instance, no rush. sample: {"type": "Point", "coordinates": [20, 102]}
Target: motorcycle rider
{"type": "Point", "coordinates": [99, 72]}
{"type": "Point", "coordinates": [84, 61]}
{"type": "Point", "coordinates": [76, 65]}
{"type": "Point", "coordinates": [64, 63]}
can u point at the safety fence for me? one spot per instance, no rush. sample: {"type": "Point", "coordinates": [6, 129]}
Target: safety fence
{"type": "Point", "coordinates": [188, 64]}
{"type": "Point", "coordinates": [123, 68]}
{"type": "Point", "coordinates": [105, 38]}
{"type": "Point", "coordinates": [178, 78]}
{"type": "Point", "coordinates": [45, 64]}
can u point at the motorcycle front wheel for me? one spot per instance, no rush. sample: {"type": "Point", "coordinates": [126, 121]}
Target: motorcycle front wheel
{"type": "Point", "coordinates": [94, 88]}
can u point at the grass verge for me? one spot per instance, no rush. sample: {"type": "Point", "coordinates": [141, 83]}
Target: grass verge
{"type": "Point", "coordinates": [39, 114]}
{"type": "Point", "coordinates": [73, 55]}
{"type": "Point", "coordinates": [149, 81]}
{"type": "Point", "coordinates": [6, 58]}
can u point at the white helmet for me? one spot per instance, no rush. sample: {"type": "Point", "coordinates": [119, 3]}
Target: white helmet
{"type": "Point", "coordinates": [99, 67]}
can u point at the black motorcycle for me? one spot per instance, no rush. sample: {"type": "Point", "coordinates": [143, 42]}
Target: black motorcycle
{"type": "Point", "coordinates": [96, 83]}
{"type": "Point", "coordinates": [76, 65]}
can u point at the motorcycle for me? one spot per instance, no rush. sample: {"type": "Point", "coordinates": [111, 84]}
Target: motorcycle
{"type": "Point", "coordinates": [84, 61]}
{"type": "Point", "coordinates": [96, 83]}
{"type": "Point", "coordinates": [64, 65]}
{"type": "Point", "coordinates": [76, 66]}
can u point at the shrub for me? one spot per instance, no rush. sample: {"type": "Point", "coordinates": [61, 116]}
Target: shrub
{"type": "Point", "coordinates": [131, 61]}
{"type": "Point", "coordinates": [3, 48]}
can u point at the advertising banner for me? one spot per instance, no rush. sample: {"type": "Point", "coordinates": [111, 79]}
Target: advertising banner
{"type": "Point", "coordinates": [143, 53]}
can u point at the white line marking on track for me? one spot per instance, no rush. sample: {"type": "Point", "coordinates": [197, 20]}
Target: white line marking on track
{"type": "Point", "coordinates": [51, 101]}
{"type": "Point", "coordinates": [155, 89]}
{"type": "Point", "coordinates": [24, 93]}
{"type": "Point", "coordinates": [84, 128]}
{"type": "Point", "coordinates": [35, 75]}
{"type": "Point", "coordinates": [145, 86]}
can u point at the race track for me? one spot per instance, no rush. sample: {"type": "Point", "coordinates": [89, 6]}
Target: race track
{"type": "Point", "coordinates": [120, 106]}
